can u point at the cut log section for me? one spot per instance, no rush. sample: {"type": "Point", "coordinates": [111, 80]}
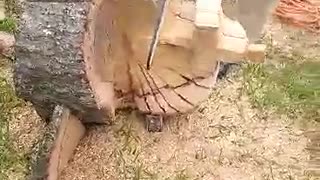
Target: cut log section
{"type": "Point", "coordinates": [90, 56]}
{"type": "Point", "coordinates": [57, 146]}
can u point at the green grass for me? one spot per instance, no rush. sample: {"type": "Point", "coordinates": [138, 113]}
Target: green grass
{"type": "Point", "coordinates": [130, 165]}
{"type": "Point", "coordinates": [10, 159]}
{"type": "Point", "coordinates": [289, 83]}
{"type": "Point", "coordinates": [8, 25]}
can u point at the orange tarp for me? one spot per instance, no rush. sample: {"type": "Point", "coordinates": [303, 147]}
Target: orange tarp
{"type": "Point", "coordinates": [300, 13]}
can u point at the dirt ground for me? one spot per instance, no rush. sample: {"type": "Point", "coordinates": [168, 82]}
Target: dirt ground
{"type": "Point", "coordinates": [225, 138]}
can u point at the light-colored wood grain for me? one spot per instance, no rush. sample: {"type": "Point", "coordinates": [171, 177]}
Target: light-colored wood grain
{"type": "Point", "coordinates": [208, 13]}
{"type": "Point", "coordinates": [193, 39]}
{"type": "Point", "coordinates": [69, 132]}
{"type": "Point", "coordinates": [178, 26]}
{"type": "Point", "coordinates": [232, 40]}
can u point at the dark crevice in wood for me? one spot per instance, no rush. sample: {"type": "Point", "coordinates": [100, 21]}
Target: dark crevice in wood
{"type": "Point", "coordinates": [173, 89]}
{"type": "Point", "coordinates": [189, 80]}
{"type": "Point", "coordinates": [144, 97]}
{"type": "Point", "coordinates": [145, 74]}
{"type": "Point", "coordinates": [172, 107]}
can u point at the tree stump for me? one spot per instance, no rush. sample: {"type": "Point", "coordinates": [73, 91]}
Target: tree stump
{"type": "Point", "coordinates": [90, 56]}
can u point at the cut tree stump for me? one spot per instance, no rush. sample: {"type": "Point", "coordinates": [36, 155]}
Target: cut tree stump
{"type": "Point", "coordinates": [90, 56]}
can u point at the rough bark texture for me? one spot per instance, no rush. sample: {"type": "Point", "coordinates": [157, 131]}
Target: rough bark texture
{"type": "Point", "coordinates": [50, 67]}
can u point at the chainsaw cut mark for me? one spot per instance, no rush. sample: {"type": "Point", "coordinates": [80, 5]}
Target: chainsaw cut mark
{"type": "Point", "coordinates": [173, 89]}
{"type": "Point", "coordinates": [152, 90]}
{"type": "Point", "coordinates": [142, 97]}
{"type": "Point", "coordinates": [206, 90]}
{"type": "Point", "coordinates": [182, 97]}
{"type": "Point", "coordinates": [194, 81]}
{"type": "Point", "coordinates": [155, 106]}
{"type": "Point", "coordinates": [141, 104]}
{"type": "Point", "coordinates": [189, 93]}
{"type": "Point", "coordinates": [160, 92]}
{"type": "Point", "coordinates": [158, 82]}
{"type": "Point", "coordinates": [189, 80]}
{"type": "Point", "coordinates": [175, 101]}
{"type": "Point", "coordinates": [139, 76]}
{"type": "Point", "coordinates": [176, 79]}
{"type": "Point", "coordinates": [187, 84]}
{"type": "Point", "coordinates": [143, 86]}
{"type": "Point", "coordinates": [164, 98]}
{"type": "Point", "coordinates": [166, 106]}
{"type": "Point", "coordinates": [148, 79]}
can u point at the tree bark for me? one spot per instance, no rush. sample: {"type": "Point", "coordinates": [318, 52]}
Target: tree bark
{"type": "Point", "coordinates": [50, 67]}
